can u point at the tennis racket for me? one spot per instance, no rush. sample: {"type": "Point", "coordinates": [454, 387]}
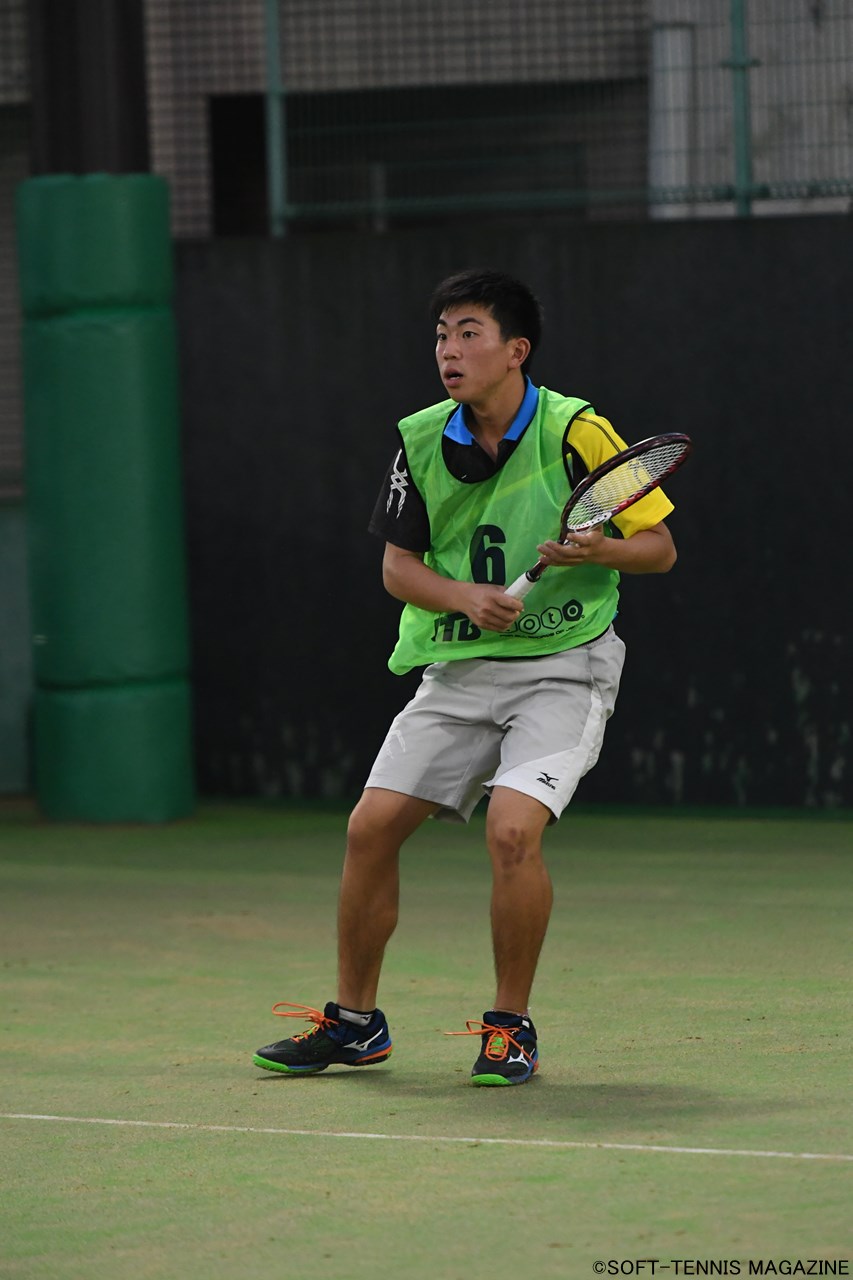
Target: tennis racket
{"type": "Point", "coordinates": [613, 487]}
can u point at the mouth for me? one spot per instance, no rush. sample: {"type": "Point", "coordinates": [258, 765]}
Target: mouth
{"type": "Point", "coordinates": [452, 377]}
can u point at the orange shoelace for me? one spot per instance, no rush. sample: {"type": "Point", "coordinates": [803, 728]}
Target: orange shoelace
{"type": "Point", "coordinates": [284, 1009]}
{"type": "Point", "coordinates": [500, 1038]}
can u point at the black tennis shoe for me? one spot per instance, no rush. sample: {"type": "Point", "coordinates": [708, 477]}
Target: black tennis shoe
{"type": "Point", "coordinates": [509, 1053]}
{"type": "Point", "coordinates": [330, 1041]}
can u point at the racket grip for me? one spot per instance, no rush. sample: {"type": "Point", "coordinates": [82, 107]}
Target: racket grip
{"type": "Point", "coordinates": [520, 587]}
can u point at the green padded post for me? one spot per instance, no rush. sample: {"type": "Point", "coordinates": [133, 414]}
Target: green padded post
{"type": "Point", "coordinates": [107, 574]}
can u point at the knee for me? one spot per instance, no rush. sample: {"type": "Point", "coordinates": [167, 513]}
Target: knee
{"type": "Point", "coordinates": [513, 846]}
{"type": "Point", "coordinates": [369, 834]}
{"type": "Point", "coordinates": [362, 829]}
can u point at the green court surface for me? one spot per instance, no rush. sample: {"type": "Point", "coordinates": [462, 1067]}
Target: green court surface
{"type": "Point", "coordinates": [694, 1014]}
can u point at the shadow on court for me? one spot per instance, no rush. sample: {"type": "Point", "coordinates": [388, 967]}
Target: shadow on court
{"type": "Point", "coordinates": [623, 1106]}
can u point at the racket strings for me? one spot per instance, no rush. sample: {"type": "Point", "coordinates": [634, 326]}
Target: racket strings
{"type": "Point", "coordinates": [616, 488]}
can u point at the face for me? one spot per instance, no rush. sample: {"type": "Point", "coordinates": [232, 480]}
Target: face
{"type": "Point", "coordinates": [474, 360]}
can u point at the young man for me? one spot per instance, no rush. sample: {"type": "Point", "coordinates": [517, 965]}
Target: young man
{"type": "Point", "coordinates": [514, 698]}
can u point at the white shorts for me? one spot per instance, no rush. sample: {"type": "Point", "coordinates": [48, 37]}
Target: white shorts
{"type": "Point", "coordinates": [535, 725]}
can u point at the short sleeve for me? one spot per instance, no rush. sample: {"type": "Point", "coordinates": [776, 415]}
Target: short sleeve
{"type": "Point", "coordinates": [400, 515]}
{"type": "Point", "coordinates": [592, 439]}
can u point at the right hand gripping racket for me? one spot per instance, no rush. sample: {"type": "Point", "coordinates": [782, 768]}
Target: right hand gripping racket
{"type": "Point", "coordinates": [613, 487]}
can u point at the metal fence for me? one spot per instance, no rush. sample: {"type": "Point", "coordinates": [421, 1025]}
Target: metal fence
{"type": "Point", "coordinates": [751, 108]}
{"type": "Point", "coordinates": [283, 114]}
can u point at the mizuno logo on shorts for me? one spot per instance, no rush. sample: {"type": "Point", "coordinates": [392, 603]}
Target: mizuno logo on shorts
{"type": "Point", "coordinates": [548, 780]}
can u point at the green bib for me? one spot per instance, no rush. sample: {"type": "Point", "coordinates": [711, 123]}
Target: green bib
{"type": "Point", "coordinates": [488, 532]}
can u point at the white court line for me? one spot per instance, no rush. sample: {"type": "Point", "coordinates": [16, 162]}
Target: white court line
{"type": "Point", "coordinates": [553, 1144]}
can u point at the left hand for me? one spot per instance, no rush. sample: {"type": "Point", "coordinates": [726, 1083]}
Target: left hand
{"type": "Point", "coordinates": [582, 548]}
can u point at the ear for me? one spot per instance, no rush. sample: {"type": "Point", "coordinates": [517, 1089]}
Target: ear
{"type": "Point", "coordinates": [519, 350]}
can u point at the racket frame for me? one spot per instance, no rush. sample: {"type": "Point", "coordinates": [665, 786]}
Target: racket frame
{"type": "Point", "coordinates": [531, 576]}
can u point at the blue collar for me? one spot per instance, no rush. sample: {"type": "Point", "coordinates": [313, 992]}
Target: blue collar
{"type": "Point", "coordinates": [457, 430]}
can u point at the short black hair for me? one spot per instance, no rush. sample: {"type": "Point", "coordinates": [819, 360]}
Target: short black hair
{"type": "Point", "coordinates": [514, 307]}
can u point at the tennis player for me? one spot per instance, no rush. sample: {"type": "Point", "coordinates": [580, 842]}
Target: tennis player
{"type": "Point", "coordinates": [514, 697]}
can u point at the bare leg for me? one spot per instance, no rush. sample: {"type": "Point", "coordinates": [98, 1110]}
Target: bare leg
{"type": "Point", "coordinates": [370, 889]}
{"type": "Point", "coordinates": [522, 895]}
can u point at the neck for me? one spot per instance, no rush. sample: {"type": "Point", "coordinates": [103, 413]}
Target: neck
{"type": "Point", "coordinates": [490, 419]}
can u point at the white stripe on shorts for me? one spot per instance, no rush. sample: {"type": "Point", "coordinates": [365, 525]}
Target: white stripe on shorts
{"type": "Point", "coordinates": [534, 725]}
{"type": "Point", "coordinates": [553, 779]}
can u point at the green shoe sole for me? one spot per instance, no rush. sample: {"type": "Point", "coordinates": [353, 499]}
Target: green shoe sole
{"type": "Point", "coordinates": [290, 1071]}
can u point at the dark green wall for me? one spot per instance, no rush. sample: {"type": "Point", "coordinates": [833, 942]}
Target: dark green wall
{"type": "Point", "coordinates": [298, 356]}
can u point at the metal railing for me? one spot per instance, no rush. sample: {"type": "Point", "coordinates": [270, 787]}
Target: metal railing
{"type": "Point", "coordinates": [730, 107]}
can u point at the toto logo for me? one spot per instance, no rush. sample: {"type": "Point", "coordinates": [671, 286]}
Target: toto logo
{"type": "Point", "coordinates": [549, 620]}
